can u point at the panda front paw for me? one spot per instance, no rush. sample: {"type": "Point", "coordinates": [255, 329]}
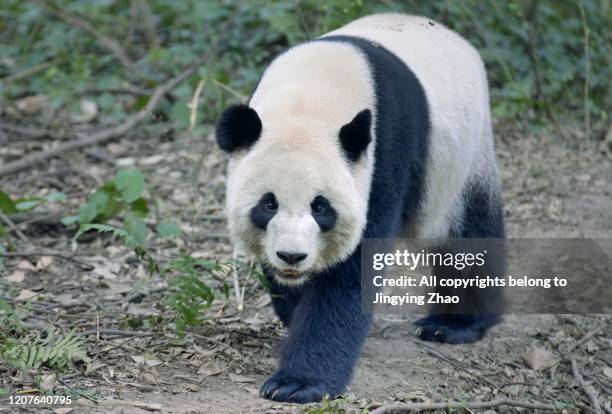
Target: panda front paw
{"type": "Point", "coordinates": [454, 329]}
{"type": "Point", "coordinates": [286, 388]}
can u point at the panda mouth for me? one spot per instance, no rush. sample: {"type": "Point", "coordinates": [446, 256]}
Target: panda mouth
{"type": "Point", "coordinates": [289, 273]}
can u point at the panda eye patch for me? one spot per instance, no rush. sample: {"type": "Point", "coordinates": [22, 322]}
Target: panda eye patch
{"type": "Point", "coordinates": [323, 213]}
{"type": "Point", "coordinates": [265, 209]}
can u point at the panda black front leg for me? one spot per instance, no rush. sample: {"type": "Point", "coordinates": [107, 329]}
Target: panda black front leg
{"type": "Point", "coordinates": [325, 338]}
{"type": "Point", "coordinates": [284, 298]}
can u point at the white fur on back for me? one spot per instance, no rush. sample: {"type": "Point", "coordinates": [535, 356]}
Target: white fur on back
{"type": "Point", "coordinates": [454, 79]}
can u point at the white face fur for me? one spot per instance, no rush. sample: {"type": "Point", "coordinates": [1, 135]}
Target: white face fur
{"type": "Point", "coordinates": [286, 201]}
{"type": "Point", "coordinates": [303, 100]}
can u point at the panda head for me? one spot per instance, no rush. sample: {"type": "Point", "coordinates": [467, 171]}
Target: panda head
{"type": "Point", "coordinates": [296, 188]}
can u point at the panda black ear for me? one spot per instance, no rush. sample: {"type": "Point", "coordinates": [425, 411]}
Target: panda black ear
{"type": "Point", "coordinates": [355, 136]}
{"type": "Point", "coordinates": [238, 127]}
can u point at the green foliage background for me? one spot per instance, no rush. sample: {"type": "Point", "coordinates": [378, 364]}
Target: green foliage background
{"type": "Point", "coordinates": [543, 57]}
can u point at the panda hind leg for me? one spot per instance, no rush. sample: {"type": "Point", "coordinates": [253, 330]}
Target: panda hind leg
{"type": "Point", "coordinates": [454, 329]}
{"type": "Point", "coordinates": [478, 309]}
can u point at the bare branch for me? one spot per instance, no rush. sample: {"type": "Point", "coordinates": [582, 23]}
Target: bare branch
{"type": "Point", "coordinates": [470, 405]}
{"type": "Point", "coordinates": [104, 135]}
{"type": "Point", "coordinates": [588, 389]}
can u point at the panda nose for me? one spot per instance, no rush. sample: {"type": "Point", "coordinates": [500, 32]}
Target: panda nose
{"type": "Point", "coordinates": [291, 258]}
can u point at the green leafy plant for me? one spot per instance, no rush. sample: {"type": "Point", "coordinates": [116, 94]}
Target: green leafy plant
{"type": "Point", "coordinates": [331, 406]}
{"type": "Point", "coordinates": [195, 283]}
{"type": "Point", "coordinates": [541, 57]}
{"type": "Point", "coordinates": [122, 198]}
{"type": "Point", "coordinates": [11, 317]}
{"type": "Point", "coordinates": [57, 353]}
{"type": "Point", "coordinates": [10, 206]}
{"type": "Point", "coordinates": [7, 205]}
{"type": "Point", "coordinates": [105, 228]}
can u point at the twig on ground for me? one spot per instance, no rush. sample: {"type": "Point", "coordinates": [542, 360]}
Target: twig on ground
{"type": "Point", "coordinates": [42, 306]}
{"type": "Point", "coordinates": [211, 235]}
{"type": "Point", "coordinates": [237, 290]}
{"type": "Point", "coordinates": [108, 43]}
{"type": "Point", "coordinates": [113, 346]}
{"type": "Point", "coordinates": [139, 296]}
{"type": "Point", "coordinates": [212, 341]}
{"type": "Point", "coordinates": [26, 72]}
{"type": "Point", "coordinates": [586, 338]}
{"type": "Point", "coordinates": [104, 135]}
{"type": "Point", "coordinates": [115, 332]}
{"type": "Point", "coordinates": [588, 389]}
{"type": "Point", "coordinates": [13, 228]}
{"type": "Point", "coordinates": [100, 156]}
{"type": "Point", "coordinates": [119, 332]}
{"type": "Point", "coordinates": [439, 354]}
{"type": "Point", "coordinates": [122, 90]}
{"type": "Point", "coordinates": [111, 402]}
{"type": "Point", "coordinates": [231, 90]}
{"type": "Point", "coordinates": [23, 219]}
{"type": "Point", "coordinates": [603, 386]}
{"type": "Point", "coordinates": [193, 105]}
{"type": "Point", "coordinates": [97, 326]}
{"type": "Point", "coordinates": [45, 253]}
{"type": "Point", "coordinates": [77, 392]}
{"type": "Point", "coordinates": [412, 407]}
{"type": "Point", "coordinates": [30, 131]}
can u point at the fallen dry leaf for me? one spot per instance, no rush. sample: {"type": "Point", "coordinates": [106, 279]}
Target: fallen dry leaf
{"type": "Point", "coordinates": [25, 294]}
{"type": "Point", "coordinates": [241, 378]}
{"type": "Point", "coordinates": [116, 149]}
{"type": "Point", "coordinates": [146, 360]}
{"type": "Point", "coordinates": [34, 104]}
{"type": "Point", "coordinates": [44, 262]}
{"type": "Point", "coordinates": [88, 112]}
{"type": "Point", "coordinates": [193, 387]}
{"type": "Point", "coordinates": [152, 160]}
{"type": "Point", "coordinates": [607, 371]}
{"type": "Point", "coordinates": [105, 272]}
{"type": "Point", "coordinates": [539, 359]}
{"type": "Point", "coordinates": [25, 265]}
{"type": "Point", "coordinates": [148, 406]}
{"type": "Point", "coordinates": [48, 381]}
{"type": "Point", "coordinates": [210, 369]}
{"type": "Point", "coordinates": [16, 277]}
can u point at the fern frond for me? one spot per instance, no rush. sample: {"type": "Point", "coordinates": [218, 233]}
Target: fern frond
{"type": "Point", "coordinates": [53, 352]}
{"type": "Point", "coordinates": [105, 228]}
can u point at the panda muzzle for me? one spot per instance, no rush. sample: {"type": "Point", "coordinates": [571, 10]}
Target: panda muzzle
{"type": "Point", "coordinates": [290, 273]}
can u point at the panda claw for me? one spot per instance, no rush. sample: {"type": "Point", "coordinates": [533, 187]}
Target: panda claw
{"type": "Point", "coordinates": [438, 333]}
{"type": "Point", "coordinates": [418, 332]}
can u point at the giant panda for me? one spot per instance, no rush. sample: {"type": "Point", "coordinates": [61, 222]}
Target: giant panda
{"type": "Point", "coordinates": [378, 129]}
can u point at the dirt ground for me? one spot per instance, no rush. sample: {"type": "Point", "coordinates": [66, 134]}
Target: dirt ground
{"type": "Point", "coordinates": [551, 187]}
